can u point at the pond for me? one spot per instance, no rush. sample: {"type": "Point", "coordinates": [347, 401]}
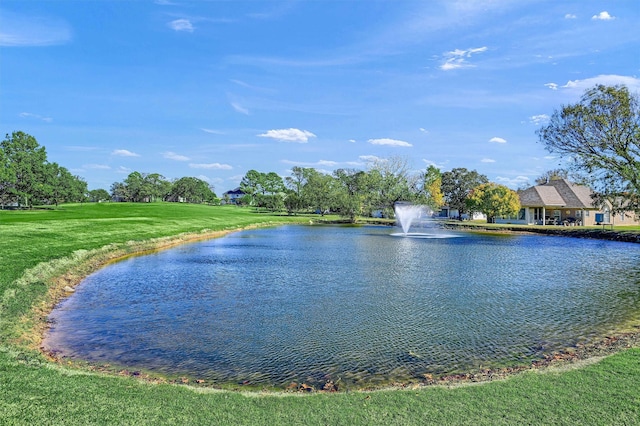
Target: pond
{"type": "Point", "coordinates": [351, 304]}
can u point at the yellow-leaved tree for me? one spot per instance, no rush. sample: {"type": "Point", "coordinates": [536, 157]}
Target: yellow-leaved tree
{"type": "Point", "coordinates": [493, 200]}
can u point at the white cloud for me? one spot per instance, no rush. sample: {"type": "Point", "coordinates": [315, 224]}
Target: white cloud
{"type": "Point", "coordinates": [123, 170]}
{"type": "Point", "coordinates": [22, 30]}
{"type": "Point", "coordinates": [322, 163]}
{"type": "Point", "coordinates": [539, 119]}
{"type": "Point", "coordinates": [215, 166]}
{"type": "Point", "coordinates": [236, 106]}
{"type": "Point", "coordinates": [497, 140]}
{"type": "Point", "coordinates": [289, 135]}
{"type": "Point", "coordinates": [458, 58]}
{"type": "Point", "coordinates": [487, 160]}
{"type": "Point", "coordinates": [204, 178]}
{"type": "Point", "coordinates": [570, 16]}
{"type": "Point", "coordinates": [181, 25]}
{"type": "Point", "coordinates": [352, 140]}
{"type": "Point", "coordinates": [607, 80]}
{"type": "Point", "coordinates": [96, 166]}
{"type": "Point", "coordinates": [552, 86]}
{"type": "Point", "coordinates": [423, 130]}
{"type": "Point", "coordinates": [173, 156]}
{"type": "Point", "coordinates": [124, 153]}
{"type": "Point", "coordinates": [434, 164]}
{"type": "Point", "coordinates": [389, 142]}
{"type": "Point", "coordinates": [516, 182]}
{"type": "Point", "coordinates": [371, 158]}
{"type": "Point", "coordinates": [215, 132]}
{"type": "Point", "coordinates": [36, 116]}
{"type": "Point", "coordinates": [603, 16]}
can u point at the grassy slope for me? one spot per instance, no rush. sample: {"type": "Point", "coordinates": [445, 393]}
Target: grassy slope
{"type": "Point", "coordinates": [33, 391]}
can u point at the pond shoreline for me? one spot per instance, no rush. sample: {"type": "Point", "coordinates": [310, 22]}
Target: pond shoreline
{"type": "Point", "coordinates": [569, 358]}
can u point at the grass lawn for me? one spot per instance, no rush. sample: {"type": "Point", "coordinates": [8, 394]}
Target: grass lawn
{"type": "Point", "coordinates": [35, 391]}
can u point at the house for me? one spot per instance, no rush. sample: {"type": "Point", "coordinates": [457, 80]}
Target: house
{"type": "Point", "coordinates": [447, 212]}
{"type": "Point", "coordinates": [233, 196]}
{"type": "Point", "coordinates": [560, 202]}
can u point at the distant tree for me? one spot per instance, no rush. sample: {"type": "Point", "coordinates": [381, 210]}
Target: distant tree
{"type": "Point", "coordinates": [7, 180]}
{"type": "Point", "coordinates": [99, 195]}
{"type": "Point", "coordinates": [600, 135]}
{"type": "Point", "coordinates": [28, 162]}
{"type": "Point", "coordinates": [319, 191]}
{"type": "Point", "coordinates": [428, 188]}
{"type": "Point", "coordinates": [550, 175]}
{"type": "Point", "coordinates": [351, 190]}
{"type": "Point", "coordinates": [119, 191]}
{"type": "Point", "coordinates": [193, 190]}
{"type": "Point", "coordinates": [493, 200]}
{"type": "Point", "coordinates": [155, 186]}
{"type": "Point", "coordinates": [390, 182]}
{"type": "Point", "coordinates": [456, 186]}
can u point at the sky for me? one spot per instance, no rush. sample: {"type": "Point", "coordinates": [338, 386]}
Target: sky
{"type": "Point", "coordinates": [213, 89]}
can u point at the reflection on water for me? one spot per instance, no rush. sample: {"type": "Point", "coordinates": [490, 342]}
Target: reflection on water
{"type": "Point", "coordinates": [311, 304]}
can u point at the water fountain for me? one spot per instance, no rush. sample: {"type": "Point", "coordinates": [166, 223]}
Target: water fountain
{"type": "Point", "coordinates": [406, 214]}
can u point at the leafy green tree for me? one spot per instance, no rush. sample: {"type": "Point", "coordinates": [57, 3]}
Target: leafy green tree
{"type": "Point", "coordinates": [319, 191]}
{"type": "Point", "coordinates": [390, 182]}
{"type": "Point", "coordinates": [456, 186]}
{"type": "Point", "coordinates": [155, 186]}
{"type": "Point", "coordinates": [27, 161]}
{"type": "Point", "coordinates": [99, 195]}
{"type": "Point", "coordinates": [119, 191]}
{"type": "Point", "coordinates": [193, 190]}
{"type": "Point", "coordinates": [350, 192]}
{"type": "Point", "coordinates": [493, 200]}
{"type": "Point", "coordinates": [600, 135]}
{"type": "Point", "coordinates": [7, 179]}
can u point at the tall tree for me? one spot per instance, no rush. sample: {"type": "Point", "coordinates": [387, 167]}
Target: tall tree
{"type": "Point", "coordinates": [456, 186]}
{"type": "Point", "coordinates": [351, 191]}
{"type": "Point", "coordinates": [7, 179]}
{"type": "Point", "coordinates": [28, 161]}
{"type": "Point", "coordinates": [391, 182]}
{"type": "Point", "coordinates": [600, 135]}
{"type": "Point", "coordinates": [428, 188]}
{"type": "Point", "coordinates": [193, 190]}
{"type": "Point", "coordinates": [493, 200]}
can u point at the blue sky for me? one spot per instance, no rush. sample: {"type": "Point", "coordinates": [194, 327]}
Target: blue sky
{"type": "Point", "coordinates": [212, 89]}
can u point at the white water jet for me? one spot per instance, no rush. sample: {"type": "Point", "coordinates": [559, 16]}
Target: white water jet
{"type": "Point", "coordinates": [406, 214]}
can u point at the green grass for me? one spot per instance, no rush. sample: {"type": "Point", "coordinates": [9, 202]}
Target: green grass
{"type": "Point", "coordinates": [34, 391]}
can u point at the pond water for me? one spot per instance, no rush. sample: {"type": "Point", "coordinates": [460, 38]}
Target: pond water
{"type": "Point", "coordinates": [355, 304]}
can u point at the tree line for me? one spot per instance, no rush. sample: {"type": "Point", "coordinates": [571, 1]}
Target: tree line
{"type": "Point", "coordinates": [599, 135]}
{"type": "Point", "coordinates": [151, 187]}
{"type": "Point", "coordinates": [27, 178]}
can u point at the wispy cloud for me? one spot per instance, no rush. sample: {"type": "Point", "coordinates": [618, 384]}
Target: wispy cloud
{"type": "Point", "coordinates": [497, 140]}
{"type": "Point", "coordinates": [96, 166]}
{"type": "Point", "coordinates": [181, 25]}
{"type": "Point", "coordinates": [212, 131]}
{"type": "Point", "coordinates": [36, 116]}
{"type": "Point", "coordinates": [371, 158]}
{"type": "Point", "coordinates": [552, 86]}
{"type": "Point", "coordinates": [570, 16]}
{"type": "Point", "coordinates": [434, 164]}
{"type": "Point", "coordinates": [239, 108]}
{"type": "Point", "coordinates": [124, 153]}
{"type": "Point", "coordinates": [458, 58]}
{"type": "Point", "coordinates": [320, 163]}
{"type": "Point", "coordinates": [603, 16]}
{"type": "Point", "coordinates": [515, 182]}
{"type": "Point", "coordinates": [173, 156]}
{"type": "Point", "coordinates": [487, 160]}
{"type": "Point", "coordinates": [19, 30]}
{"type": "Point", "coordinates": [389, 142]}
{"type": "Point", "coordinates": [214, 166]}
{"type": "Point", "coordinates": [288, 135]}
{"type": "Point", "coordinates": [632, 83]}
{"type": "Point", "coordinates": [539, 119]}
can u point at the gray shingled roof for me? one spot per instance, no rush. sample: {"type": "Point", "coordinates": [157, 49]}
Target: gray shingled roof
{"type": "Point", "coordinates": [557, 193]}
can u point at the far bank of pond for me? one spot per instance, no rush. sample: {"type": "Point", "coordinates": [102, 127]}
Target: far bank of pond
{"type": "Point", "coordinates": [352, 306]}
